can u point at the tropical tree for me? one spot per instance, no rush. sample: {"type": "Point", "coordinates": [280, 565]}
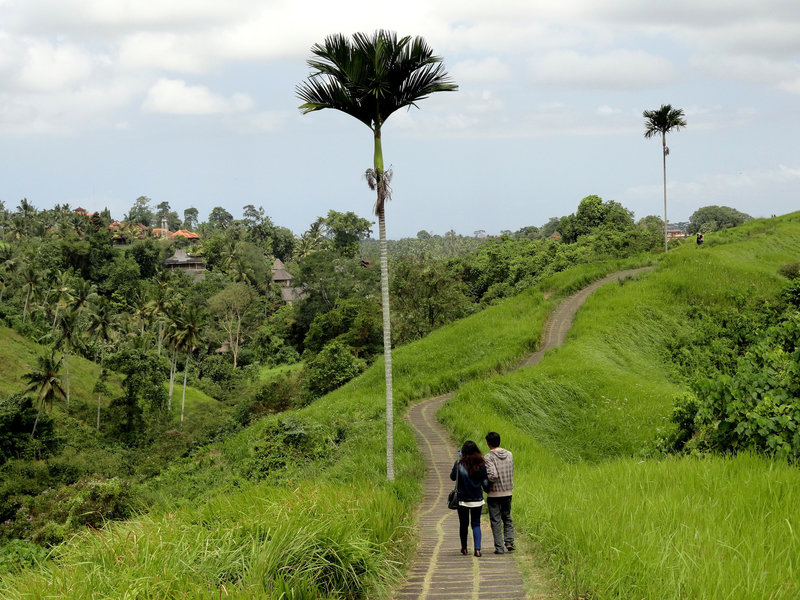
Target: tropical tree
{"type": "Point", "coordinates": [369, 77]}
{"type": "Point", "coordinates": [103, 322]}
{"type": "Point", "coordinates": [66, 338]}
{"type": "Point", "coordinates": [187, 336]}
{"type": "Point", "coordinates": [190, 216]}
{"type": "Point", "coordinates": [663, 121]}
{"type": "Point", "coordinates": [61, 292]}
{"type": "Point", "coordinates": [31, 279]}
{"type": "Point", "coordinates": [230, 308]}
{"type": "Point", "coordinates": [46, 382]}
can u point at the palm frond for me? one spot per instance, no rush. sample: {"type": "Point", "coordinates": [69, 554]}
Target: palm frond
{"type": "Point", "coordinates": [371, 76]}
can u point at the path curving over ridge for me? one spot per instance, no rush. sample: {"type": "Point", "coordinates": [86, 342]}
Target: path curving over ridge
{"type": "Point", "coordinates": [440, 571]}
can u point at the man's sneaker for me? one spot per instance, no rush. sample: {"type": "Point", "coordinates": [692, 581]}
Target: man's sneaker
{"type": "Point", "coordinates": [499, 552]}
{"type": "Point", "coordinates": [510, 548]}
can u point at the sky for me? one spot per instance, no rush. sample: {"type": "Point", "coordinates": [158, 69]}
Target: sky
{"type": "Point", "coordinates": [193, 102]}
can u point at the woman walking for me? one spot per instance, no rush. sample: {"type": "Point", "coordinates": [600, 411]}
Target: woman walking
{"type": "Point", "coordinates": [470, 473]}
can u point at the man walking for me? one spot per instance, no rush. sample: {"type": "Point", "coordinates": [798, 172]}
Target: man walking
{"type": "Point", "coordinates": [500, 470]}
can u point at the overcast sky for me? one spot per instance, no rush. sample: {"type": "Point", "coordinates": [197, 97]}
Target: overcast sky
{"type": "Point", "coordinates": [193, 102]}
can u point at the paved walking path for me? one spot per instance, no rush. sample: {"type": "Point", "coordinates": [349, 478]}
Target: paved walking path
{"type": "Point", "coordinates": [440, 571]}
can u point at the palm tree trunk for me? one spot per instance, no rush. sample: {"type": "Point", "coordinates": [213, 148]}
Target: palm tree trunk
{"type": "Point", "coordinates": [36, 421]}
{"type": "Point", "coordinates": [66, 368]}
{"type": "Point", "coordinates": [183, 398]}
{"type": "Point", "coordinates": [664, 158]}
{"type": "Point", "coordinates": [387, 348]}
{"type": "Point", "coordinates": [387, 322]}
{"type": "Point", "coordinates": [27, 305]}
{"type": "Point", "coordinates": [172, 370]}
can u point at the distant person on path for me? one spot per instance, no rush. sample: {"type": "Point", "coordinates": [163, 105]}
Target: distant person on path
{"type": "Point", "coordinates": [470, 472]}
{"type": "Point", "coordinates": [500, 472]}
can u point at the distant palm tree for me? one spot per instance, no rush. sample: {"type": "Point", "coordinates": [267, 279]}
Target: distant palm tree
{"type": "Point", "coordinates": [46, 382]}
{"type": "Point", "coordinates": [369, 78]}
{"type": "Point", "coordinates": [663, 121]}
{"type": "Point", "coordinates": [103, 322]}
{"type": "Point", "coordinates": [61, 292]}
{"type": "Point", "coordinates": [83, 292]}
{"type": "Point", "coordinates": [66, 339]}
{"type": "Point", "coordinates": [31, 279]}
{"type": "Point", "coordinates": [187, 337]}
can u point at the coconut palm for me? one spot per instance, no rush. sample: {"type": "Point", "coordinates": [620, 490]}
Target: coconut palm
{"type": "Point", "coordinates": [83, 292]}
{"type": "Point", "coordinates": [103, 323]}
{"type": "Point", "coordinates": [31, 279]}
{"type": "Point", "coordinates": [46, 382]}
{"type": "Point", "coordinates": [369, 78]}
{"type": "Point", "coordinates": [663, 121]}
{"type": "Point", "coordinates": [61, 292]}
{"type": "Point", "coordinates": [66, 339]}
{"type": "Point", "coordinates": [187, 337]}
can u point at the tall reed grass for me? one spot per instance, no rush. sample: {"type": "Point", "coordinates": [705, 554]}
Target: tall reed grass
{"type": "Point", "coordinates": [615, 520]}
{"type": "Point", "coordinates": [325, 526]}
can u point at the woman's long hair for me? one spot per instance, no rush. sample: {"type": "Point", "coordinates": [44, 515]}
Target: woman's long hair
{"type": "Point", "coordinates": [471, 457]}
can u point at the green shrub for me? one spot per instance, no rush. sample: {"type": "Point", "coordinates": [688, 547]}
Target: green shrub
{"type": "Point", "coordinates": [17, 416]}
{"type": "Point", "coordinates": [790, 270]}
{"type": "Point", "coordinates": [288, 442]}
{"type": "Point", "coordinates": [334, 366]}
{"type": "Point", "coordinates": [18, 554]}
{"type": "Point", "coordinates": [47, 519]}
{"type": "Point", "coordinates": [757, 407]}
{"type": "Point", "coordinates": [279, 393]}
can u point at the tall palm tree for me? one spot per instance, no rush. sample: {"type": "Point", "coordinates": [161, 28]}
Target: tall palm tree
{"type": "Point", "coordinates": [66, 339]}
{"type": "Point", "coordinates": [61, 292]}
{"type": "Point", "coordinates": [663, 121]}
{"type": "Point", "coordinates": [103, 322]}
{"type": "Point", "coordinates": [31, 279]}
{"type": "Point", "coordinates": [187, 337]}
{"type": "Point", "coordinates": [369, 78]}
{"type": "Point", "coordinates": [46, 382]}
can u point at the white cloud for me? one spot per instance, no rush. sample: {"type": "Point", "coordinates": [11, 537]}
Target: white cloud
{"type": "Point", "coordinates": [64, 112]}
{"type": "Point", "coordinates": [47, 67]}
{"type": "Point", "coordinates": [739, 190]}
{"type": "Point", "coordinates": [175, 97]}
{"type": "Point", "coordinates": [755, 69]}
{"type": "Point", "coordinates": [617, 69]}
{"type": "Point", "coordinates": [486, 70]}
{"type": "Point", "coordinates": [165, 50]}
{"type": "Point", "coordinates": [607, 111]}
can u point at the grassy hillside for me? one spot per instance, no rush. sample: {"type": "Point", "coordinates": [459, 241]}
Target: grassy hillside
{"type": "Point", "coordinates": [613, 522]}
{"type": "Point", "coordinates": [221, 512]}
{"type": "Point", "coordinates": [298, 505]}
{"type": "Point", "coordinates": [19, 356]}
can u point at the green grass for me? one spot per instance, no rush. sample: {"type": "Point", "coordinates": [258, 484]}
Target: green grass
{"type": "Point", "coordinates": [267, 373]}
{"type": "Point", "coordinates": [613, 522]}
{"type": "Point", "coordinates": [179, 549]}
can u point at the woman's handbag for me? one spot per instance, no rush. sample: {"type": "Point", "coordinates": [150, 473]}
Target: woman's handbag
{"type": "Point", "coordinates": [452, 497]}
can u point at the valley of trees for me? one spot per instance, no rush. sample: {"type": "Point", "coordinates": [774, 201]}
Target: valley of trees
{"type": "Point", "coordinates": [123, 365]}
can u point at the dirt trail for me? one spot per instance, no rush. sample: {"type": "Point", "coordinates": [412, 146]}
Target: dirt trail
{"type": "Point", "coordinates": [440, 571]}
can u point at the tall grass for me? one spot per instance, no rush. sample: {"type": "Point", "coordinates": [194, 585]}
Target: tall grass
{"type": "Point", "coordinates": [615, 523]}
{"type": "Point", "coordinates": [261, 542]}
{"type": "Point", "coordinates": [318, 526]}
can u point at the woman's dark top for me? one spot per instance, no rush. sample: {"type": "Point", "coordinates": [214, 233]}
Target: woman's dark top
{"type": "Point", "coordinates": [470, 488]}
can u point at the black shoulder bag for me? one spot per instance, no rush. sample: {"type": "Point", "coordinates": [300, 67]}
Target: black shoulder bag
{"type": "Point", "coordinates": [452, 497]}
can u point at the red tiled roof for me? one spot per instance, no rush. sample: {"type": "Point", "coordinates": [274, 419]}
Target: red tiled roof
{"type": "Point", "coordinates": [189, 235]}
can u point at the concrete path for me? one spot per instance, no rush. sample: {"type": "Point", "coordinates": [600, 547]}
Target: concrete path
{"type": "Point", "coordinates": [440, 571]}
